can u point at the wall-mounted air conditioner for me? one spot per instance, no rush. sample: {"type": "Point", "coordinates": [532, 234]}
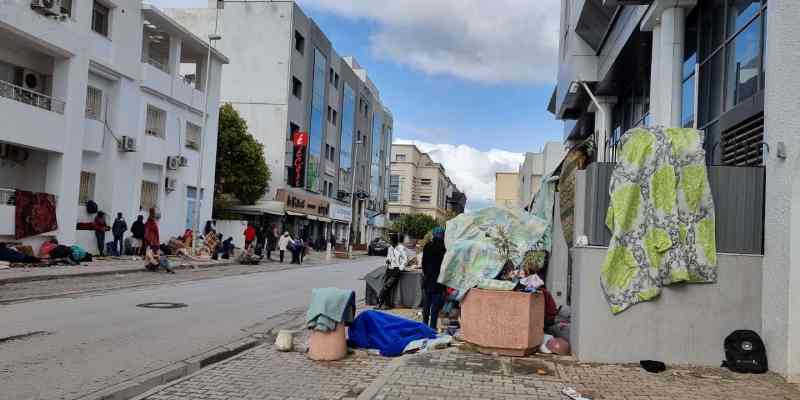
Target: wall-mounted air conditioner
{"type": "Point", "coordinates": [128, 144]}
{"type": "Point", "coordinates": [183, 161]}
{"type": "Point", "coordinates": [173, 163]}
{"type": "Point", "coordinates": [170, 184]}
{"type": "Point", "coordinates": [47, 7]}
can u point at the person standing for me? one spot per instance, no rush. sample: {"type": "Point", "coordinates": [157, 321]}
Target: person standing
{"type": "Point", "coordinates": [396, 260]}
{"type": "Point", "coordinates": [118, 229]}
{"type": "Point", "coordinates": [249, 235]}
{"type": "Point", "coordinates": [261, 238]}
{"type": "Point", "coordinates": [272, 239]}
{"type": "Point", "coordinates": [283, 244]}
{"type": "Point", "coordinates": [434, 292]}
{"type": "Point", "coordinates": [100, 228]}
{"type": "Point", "coordinates": [151, 237]}
{"type": "Point", "coordinates": [137, 231]}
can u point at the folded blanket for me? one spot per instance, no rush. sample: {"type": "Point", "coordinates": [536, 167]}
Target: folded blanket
{"type": "Point", "coordinates": [329, 307]}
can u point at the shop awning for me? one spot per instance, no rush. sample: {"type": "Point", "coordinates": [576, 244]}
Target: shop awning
{"type": "Point", "coordinates": [323, 219]}
{"type": "Point", "coordinates": [312, 217]}
{"type": "Point", "coordinates": [265, 207]}
{"type": "Point", "coordinates": [295, 214]}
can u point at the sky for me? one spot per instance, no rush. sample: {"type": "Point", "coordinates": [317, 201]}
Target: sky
{"type": "Point", "coordinates": [466, 80]}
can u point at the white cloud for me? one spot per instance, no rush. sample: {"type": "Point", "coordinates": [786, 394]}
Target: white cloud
{"type": "Point", "coordinates": [488, 41]}
{"type": "Point", "coordinates": [470, 169]}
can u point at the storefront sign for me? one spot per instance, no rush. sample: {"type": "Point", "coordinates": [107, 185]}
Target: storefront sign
{"type": "Point", "coordinates": [341, 213]}
{"type": "Point", "coordinates": [303, 204]}
{"type": "Point", "coordinates": [300, 142]}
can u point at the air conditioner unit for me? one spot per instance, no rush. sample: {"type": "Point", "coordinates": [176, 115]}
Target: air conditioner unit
{"type": "Point", "coordinates": [170, 184]}
{"type": "Point", "coordinates": [47, 7]}
{"type": "Point", "coordinates": [183, 161]}
{"type": "Point", "coordinates": [128, 144]}
{"type": "Point", "coordinates": [172, 163]}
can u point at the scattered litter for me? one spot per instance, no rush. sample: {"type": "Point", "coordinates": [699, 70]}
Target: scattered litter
{"type": "Point", "coordinates": [541, 371]}
{"type": "Point", "coordinates": [573, 394]}
{"type": "Point", "coordinates": [653, 366]}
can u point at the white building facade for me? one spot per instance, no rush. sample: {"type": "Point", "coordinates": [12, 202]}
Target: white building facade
{"type": "Point", "coordinates": [536, 166]}
{"type": "Point", "coordinates": [97, 108]}
{"type": "Point", "coordinates": [288, 79]}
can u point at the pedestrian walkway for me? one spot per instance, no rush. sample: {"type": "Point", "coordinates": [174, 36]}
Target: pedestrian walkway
{"type": "Point", "coordinates": [459, 373]}
{"type": "Point", "coordinates": [129, 264]}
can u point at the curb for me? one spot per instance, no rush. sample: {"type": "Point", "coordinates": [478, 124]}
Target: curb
{"type": "Point", "coordinates": [20, 279]}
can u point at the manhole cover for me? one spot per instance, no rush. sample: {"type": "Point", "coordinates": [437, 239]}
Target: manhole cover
{"type": "Point", "coordinates": [162, 305]}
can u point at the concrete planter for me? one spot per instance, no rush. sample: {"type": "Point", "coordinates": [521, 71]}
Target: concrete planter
{"type": "Point", "coordinates": [327, 346]}
{"type": "Point", "coordinates": [506, 323]}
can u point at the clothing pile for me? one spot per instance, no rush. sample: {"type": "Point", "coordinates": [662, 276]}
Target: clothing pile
{"type": "Point", "coordinates": [15, 255]}
{"type": "Point", "coordinates": [385, 332]}
{"type": "Point", "coordinates": [330, 307]}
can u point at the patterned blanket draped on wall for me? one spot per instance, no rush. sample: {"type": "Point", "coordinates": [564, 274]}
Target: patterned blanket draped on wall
{"type": "Point", "coordinates": [661, 216]}
{"type": "Point", "coordinates": [35, 213]}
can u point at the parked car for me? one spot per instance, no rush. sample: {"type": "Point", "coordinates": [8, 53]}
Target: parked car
{"type": "Point", "coordinates": [378, 247]}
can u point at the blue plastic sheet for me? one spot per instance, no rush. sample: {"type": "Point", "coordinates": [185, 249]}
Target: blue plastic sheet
{"type": "Point", "coordinates": [386, 332]}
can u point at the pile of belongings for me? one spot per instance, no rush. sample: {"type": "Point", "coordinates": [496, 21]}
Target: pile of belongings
{"type": "Point", "coordinates": [387, 333]}
{"type": "Point", "coordinates": [330, 307]}
{"type": "Point", "coordinates": [494, 248]}
{"type": "Point", "coordinates": [17, 255]}
{"type": "Point", "coordinates": [661, 216]}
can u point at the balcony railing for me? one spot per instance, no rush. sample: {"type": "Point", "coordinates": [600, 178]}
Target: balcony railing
{"type": "Point", "coordinates": [27, 96]}
{"type": "Point", "coordinates": [8, 197]}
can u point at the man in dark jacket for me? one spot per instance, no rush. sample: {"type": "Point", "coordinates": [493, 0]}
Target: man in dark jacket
{"type": "Point", "coordinates": [118, 229]}
{"type": "Point", "coordinates": [433, 300]}
{"type": "Point", "coordinates": [137, 230]}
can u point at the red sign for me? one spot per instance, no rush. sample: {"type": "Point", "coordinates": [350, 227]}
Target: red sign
{"type": "Point", "coordinates": [300, 141]}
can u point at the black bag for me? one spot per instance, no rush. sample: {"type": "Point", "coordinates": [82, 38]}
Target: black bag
{"type": "Point", "coordinates": [91, 207]}
{"type": "Point", "coordinates": [745, 353]}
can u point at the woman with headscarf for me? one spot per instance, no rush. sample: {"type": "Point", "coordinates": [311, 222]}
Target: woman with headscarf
{"type": "Point", "coordinates": [151, 237]}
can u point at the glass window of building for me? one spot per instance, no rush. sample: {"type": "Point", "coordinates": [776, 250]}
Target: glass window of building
{"type": "Point", "coordinates": [297, 88]}
{"type": "Point", "coordinates": [346, 143]}
{"type": "Point", "coordinates": [394, 188]}
{"type": "Point", "coordinates": [375, 162]}
{"type": "Point", "coordinates": [100, 17]}
{"type": "Point", "coordinates": [316, 132]}
{"type": "Point", "coordinates": [299, 42]}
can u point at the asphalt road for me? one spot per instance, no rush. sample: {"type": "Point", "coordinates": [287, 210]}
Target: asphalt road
{"type": "Point", "coordinates": [88, 343]}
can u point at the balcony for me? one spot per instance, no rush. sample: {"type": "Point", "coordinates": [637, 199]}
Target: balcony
{"type": "Point", "coordinates": [22, 95]}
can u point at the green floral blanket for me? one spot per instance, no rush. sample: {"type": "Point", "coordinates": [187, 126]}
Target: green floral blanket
{"type": "Point", "coordinates": [661, 216]}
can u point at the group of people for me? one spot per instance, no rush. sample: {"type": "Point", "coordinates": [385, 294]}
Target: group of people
{"type": "Point", "coordinates": [262, 240]}
{"type": "Point", "coordinates": [144, 234]}
{"type": "Point", "coordinates": [433, 292]}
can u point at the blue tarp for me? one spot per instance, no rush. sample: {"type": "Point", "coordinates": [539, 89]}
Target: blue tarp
{"type": "Point", "coordinates": [385, 332]}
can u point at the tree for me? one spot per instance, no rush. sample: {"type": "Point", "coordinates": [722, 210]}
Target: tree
{"type": "Point", "coordinates": [242, 170]}
{"type": "Point", "coordinates": [414, 225]}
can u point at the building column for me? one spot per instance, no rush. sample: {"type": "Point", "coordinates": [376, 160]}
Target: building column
{"type": "Point", "coordinates": [780, 298]}
{"type": "Point", "coordinates": [603, 123]}
{"type": "Point", "coordinates": [174, 56]}
{"type": "Point", "coordinates": [667, 20]}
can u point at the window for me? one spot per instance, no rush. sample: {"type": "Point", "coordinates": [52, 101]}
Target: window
{"type": "Point", "coordinates": [325, 188]}
{"type": "Point", "coordinates": [66, 7]}
{"type": "Point", "coordinates": [400, 157]}
{"type": "Point", "coordinates": [327, 151]}
{"type": "Point", "coordinates": [425, 182]}
{"type": "Point", "coordinates": [100, 16]}
{"type": "Point", "coordinates": [334, 117]}
{"type": "Point", "coordinates": [330, 76]}
{"type": "Point", "coordinates": [94, 103]}
{"type": "Point", "coordinates": [156, 121]}
{"type": "Point", "coordinates": [743, 63]}
{"type": "Point", "coordinates": [87, 187]}
{"type": "Point", "coordinates": [424, 199]}
{"type": "Point", "coordinates": [193, 136]}
{"type": "Point", "coordinates": [297, 88]}
{"type": "Point", "coordinates": [299, 42]}
{"type": "Point", "coordinates": [330, 113]}
{"type": "Point", "coordinates": [293, 128]}
{"type": "Point", "coordinates": [394, 188]}
{"type": "Point", "coordinates": [330, 189]}
{"type": "Point", "coordinates": [149, 198]}
{"type": "Point", "coordinates": [336, 81]}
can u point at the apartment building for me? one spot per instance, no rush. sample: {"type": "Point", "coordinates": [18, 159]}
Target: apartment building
{"type": "Point", "coordinates": [318, 114]}
{"type": "Point", "coordinates": [418, 185]}
{"type": "Point", "coordinates": [506, 189]}
{"type": "Point", "coordinates": [723, 67]}
{"type": "Point", "coordinates": [105, 101]}
{"type": "Point", "coordinates": [536, 166]}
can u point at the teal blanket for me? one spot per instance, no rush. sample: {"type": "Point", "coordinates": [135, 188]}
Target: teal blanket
{"type": "Point", "coordinates": [661, 216]}
{"type": "Point", "coordinates": [329, 307]}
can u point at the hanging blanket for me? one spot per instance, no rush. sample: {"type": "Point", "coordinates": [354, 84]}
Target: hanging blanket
{"type": "Point", "coordinates": [35, 213]}
{"type": "Point", "coordinates": [471, 242]}
{"type": "Point", "coordinates": [386, 332]}
{"type": "Point", "coordinates": [661, 216]}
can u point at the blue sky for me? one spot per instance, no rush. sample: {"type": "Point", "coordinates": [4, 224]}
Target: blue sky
{"type": "Point", "coordinates": [467, 80]}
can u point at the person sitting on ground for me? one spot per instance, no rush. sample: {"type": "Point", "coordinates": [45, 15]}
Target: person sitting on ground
{"type": "Point", "coordinates": [188, 238]}
{"type": "Point", "coordinates": [249, 256]}
{"type": "Point", "coordinates": [227, 248]}
{"type": "Point", "coordinates": [155, 260]}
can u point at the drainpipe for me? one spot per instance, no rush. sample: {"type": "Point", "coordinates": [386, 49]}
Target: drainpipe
{"type": "Point", "coordinates": [602, 132]}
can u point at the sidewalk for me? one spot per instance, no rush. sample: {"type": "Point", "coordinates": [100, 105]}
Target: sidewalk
{"type": "Point", "coordinates": [457, 373]}
{"type": "Point", "coordinates": [124, 265]}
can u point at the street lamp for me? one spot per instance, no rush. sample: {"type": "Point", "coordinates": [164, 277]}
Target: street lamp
{"type": "Point", "coordinates": [199, 188]}
{"type": "Point", "coordinates": [352, 198]}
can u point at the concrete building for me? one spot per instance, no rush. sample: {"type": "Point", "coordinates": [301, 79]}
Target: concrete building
{"type": "Point", "coordinates": [105, 101]}
{"type": "Point", "coordinates": [535, 166]}
{"type": "Point", "coordinates": [288, 82]}
{"type": "Point", "coordinates": [719, 66]}
{"type": "Point", "coordinates": [506, 189]}
{"type": "Point", "coordinates": [418, 185]}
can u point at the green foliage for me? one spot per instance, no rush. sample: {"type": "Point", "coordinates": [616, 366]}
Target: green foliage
{"type": "Point", "coordinates": [241, 167]}
{"type": "Point", "coordinates": [414, 225]}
